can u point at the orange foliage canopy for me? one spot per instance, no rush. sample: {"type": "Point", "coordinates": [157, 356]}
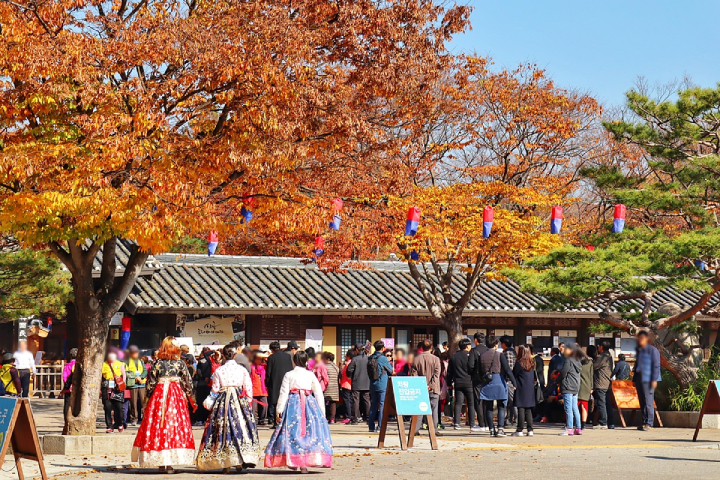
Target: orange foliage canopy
{"type": "Point", "coordinates": [151, 119]}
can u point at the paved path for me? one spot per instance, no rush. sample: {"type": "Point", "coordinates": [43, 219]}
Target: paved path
{"type": "Point", "coordinates": [624, 453]}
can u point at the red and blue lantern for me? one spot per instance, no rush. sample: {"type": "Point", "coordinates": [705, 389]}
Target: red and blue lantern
{"type": "Point", "coordinates": [212, 242]}
{"type": "Point", "coordinates": [319, 246]}
{"type": "Point", "coordinates": [246, 214]}
{"type": "Point", "coordinates": [125, 333]}
{"type": "Point", "coordinates": [337, 205]}
{"type": "Point", "coordinates": [488, 217]}
{"type": "Point", "coordinates": [619, 218]}
{"type": "Point", "coordinates": [335, 223]}
{"type": "Point", "coordinates": [245, 211]}
{"type": "Point", "coordinates": [702, 266]}
{"type": "Point", "coordinates": [413, 221]}
{"type": "Point", "coordinates": [556, 219]}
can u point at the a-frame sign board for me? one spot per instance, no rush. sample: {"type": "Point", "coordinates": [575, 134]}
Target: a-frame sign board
{"type": "Point", "coordinates": [625, 397]}
{"type": "Point", "coordinates": [17, 428]}
{"type": "Point", "coordinates": [711, 404]}
{"type": "Point", "coordinates": [407, 396]}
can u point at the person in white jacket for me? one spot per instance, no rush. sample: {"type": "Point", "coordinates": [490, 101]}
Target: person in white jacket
{"type": "Point", "coordinates": [230, 438]}
{"type": "Point", "coordinates": [302, 438]}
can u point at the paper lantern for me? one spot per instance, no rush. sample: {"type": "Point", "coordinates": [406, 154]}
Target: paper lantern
{"type": "Point", "coordinates": [319, 246]}
{"type": "Point", "coordinates": [246, 214]}
{"type": "Point", "coordinates": [556, 220]}
{"type": "Point", "coordinates": [335, 223]}
{"type": "Point", "coordinates": [212, 242]}
{"type": "Point", "coordinates": [337, 204]}
{"type": "Point", "coordinates": [590, 248]}
{"type": "Point", "coordinates": [619, 218]}
{"type": "Point", "coordinates": [488, 217]}
{"type": "Point", "coordinates": [125, 333]}
{"type": "Point", "coordinates": [702, 266]}
{"type": "Point", "coordinates": [413, 221]}
{"type": "Point", "coordinates": [414, 255]}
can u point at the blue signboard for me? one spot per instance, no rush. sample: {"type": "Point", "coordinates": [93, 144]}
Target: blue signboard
{"type": "Point", "coordinates": [7, 408]}
{"type": "Point", "coordinates": [411, 395]}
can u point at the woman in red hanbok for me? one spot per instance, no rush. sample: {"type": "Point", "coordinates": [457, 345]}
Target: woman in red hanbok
{"type": "Point", "coordinates": [165, 437]}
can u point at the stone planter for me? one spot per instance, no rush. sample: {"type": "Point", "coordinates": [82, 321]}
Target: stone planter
{"type": "Point", "coordinates": [689, 420]}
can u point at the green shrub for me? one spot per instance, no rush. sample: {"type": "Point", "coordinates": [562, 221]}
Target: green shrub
{"type": "Point", "coordinates": [691, 398]}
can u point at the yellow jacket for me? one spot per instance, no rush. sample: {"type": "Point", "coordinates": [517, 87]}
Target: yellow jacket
{"type": "Point", "coordinates": [110, 372]}
{"type": "Point", "coordinates": [7, 379]}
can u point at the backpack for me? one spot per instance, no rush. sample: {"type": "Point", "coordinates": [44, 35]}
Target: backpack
{"type": "Point", "coordinates": [373, 368]}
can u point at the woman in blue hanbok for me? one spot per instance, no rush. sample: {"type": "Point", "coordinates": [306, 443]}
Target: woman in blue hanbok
{"type": "Point", "coordinates": [302, 437]}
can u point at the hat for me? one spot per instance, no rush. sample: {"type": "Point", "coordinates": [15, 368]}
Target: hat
{"type": "Point", "coordinates": [133, 349]}
{"type": "Point", "coordinates": [262, 354]}
{"type": "Point", "coordinates": [8, 358]}
{"type": "Point", "coordinates": [293, 345]}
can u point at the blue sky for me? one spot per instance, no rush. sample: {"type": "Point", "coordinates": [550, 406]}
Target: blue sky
{"type": "Point", "coordinates": [600, 46]}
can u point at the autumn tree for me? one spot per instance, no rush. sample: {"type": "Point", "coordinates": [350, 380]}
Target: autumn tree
{"type": "Point", "coordinates": [673, 239]}
{"type": "Point", "coordinates": [151, 120]}
{"type": "Point", "coordinates": [515, 143]}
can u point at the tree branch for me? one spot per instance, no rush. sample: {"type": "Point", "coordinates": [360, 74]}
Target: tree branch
{"type": "Point", "coordinates": [109, 265]}
{"type": "Point", "coordinates": [116, 297]}
{"type": "Point", "coordinates": [688, 313]}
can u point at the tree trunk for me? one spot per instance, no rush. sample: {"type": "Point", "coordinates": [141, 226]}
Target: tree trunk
{"type": "Point", "coordinates": [681, 366]}
{"type": "Point", "coordinates": [93, 331]}
{"type": "Point", "coordinates": [453, 324]}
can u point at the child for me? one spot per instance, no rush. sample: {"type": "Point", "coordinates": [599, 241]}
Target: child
{"type": "Point", "coordinates": [302, 438]}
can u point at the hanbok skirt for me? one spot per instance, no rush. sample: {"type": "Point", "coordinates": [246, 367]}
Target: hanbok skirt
{"type": "Point", "coordinates": [302, 439]}
{"type": "Point", "coordinates": [496, 389]}
{"type": "Point", "coordinates": [230, 438]}
{"type": "Point", "coordinates": [165, 436]}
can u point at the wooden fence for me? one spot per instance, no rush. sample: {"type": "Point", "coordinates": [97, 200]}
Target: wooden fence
{"type": "Point", "coordinates": [48, 381]}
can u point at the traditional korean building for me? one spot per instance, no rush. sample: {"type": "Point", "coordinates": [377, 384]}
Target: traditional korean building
{"type": "Point", "coordinates": [262, 299]}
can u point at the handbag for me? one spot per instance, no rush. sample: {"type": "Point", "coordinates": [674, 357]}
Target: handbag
{"type": "Point", "coordinates": [539, 397]}
{"type": "Point", "coordinates": [119, 382]}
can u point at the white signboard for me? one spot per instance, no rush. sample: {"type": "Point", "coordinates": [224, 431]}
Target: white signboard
{"type": "Point", "coordinates": [389, 343]}
{"type": "Point", "coordinates": [508, 331]}
{"type": "Point", "coordinates": [541, 333]}
{"type": "Point", "coordinates": [314, 339]}
{"type": "Point", "coordinates": [210, 330]}
{"type": "Point", "coordinates": [117, 319]}
{"type": "Point", "coordinates": [568, 333]}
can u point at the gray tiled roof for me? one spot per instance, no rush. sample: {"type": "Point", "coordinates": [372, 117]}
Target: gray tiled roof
{"type": "Point", "coordinates": [122, 256]}
{"type": "Point", "coordinates": [195, 283]}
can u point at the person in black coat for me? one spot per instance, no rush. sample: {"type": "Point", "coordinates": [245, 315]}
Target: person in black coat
{"type": "Point", "coordinates": [474, 365]}
{"type": "Point", "coordinates": [524, 372]}
{"type": "Point", "coordinates": [459, 376]}
{"type": "Point", "coordinates": [358, 372]}
{"type": "Point", "coordinates": [203, 376]}
{"type": "Point", "coordinates": [539, 366]}
{"type": "Point", "coordinates": [279, 363]}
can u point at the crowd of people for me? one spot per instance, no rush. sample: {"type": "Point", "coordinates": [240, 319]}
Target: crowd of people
{"type": "Point", "coordinates": [486, 385]}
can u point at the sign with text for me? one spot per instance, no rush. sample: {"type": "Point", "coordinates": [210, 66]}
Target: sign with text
{"type": "Point", "coordinates": [389, 343]}
{"type": "Point", "coordinates": [7, 410]}
{"type": "Point", "coordinates": [411, 395]}
{"type": "Point", "coordinates": [210, 330]}
{"type": "Point", "coordinates": [17, 429]}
